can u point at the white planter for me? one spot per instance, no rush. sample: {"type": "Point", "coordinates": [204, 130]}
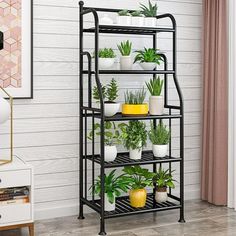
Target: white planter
{"type": "Point", "coordinates": [126, 63]}
{"type": "Point", "coordinates": [156, 105]}
{"type": "Point", "coordinates": [111, 109]}
{"type": "Point", "coordinates": [150, 21]}
{"type": "Point", "coordinates": [148, 65]}
{"type": "Point", "coordinates": [109, 206]}
{"type": "Point", "coordinates": [106, 20]}
{"type": "Point", "coordinates": [135, 154]}
{"type": "Point", "coordinates": [161, 196]}
{"type": "Point", "coordinates": [160, 150]}
{"type": "Point", "coordinates": [137, 21]}
{"type": "Point", "coordinates": [110, 153]}
{"type": "Point", "coordinates": [106, 63]}
{"type": "Point", "coordinates": [124, 20]}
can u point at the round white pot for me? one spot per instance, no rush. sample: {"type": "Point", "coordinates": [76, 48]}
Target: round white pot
{"type": "Point", "coordinates": [106, 20]}
{"type": "Point", "coordinates": [124, 20]}
{"type": "Point", "coordinates": [110, 153]}
{"type": "Point", "coordinates": [148, 65]}
{"type": "Point", "coordinates": [156, 105]}
{"type": "Point", "coordinates": [137, 21]}
{"type": "Point", "coordinates": [5, 110]}
{"type": "Point", "coordinates": [159, 150]}
{"type": "Point", "coordinates": [109, 206]}
{"type": "Point", "coordinates": [126, 63]}
{"type": "Point", "coordinates": [111, 109]}
{"type": "Point", "coordinates": [150, 21]}
{"type": "Point", "coordinates": [161, 196]}
{"type": "Point", "coordinates": [106, 63]}
{"type": "Point", "coordinates": [135, 154]}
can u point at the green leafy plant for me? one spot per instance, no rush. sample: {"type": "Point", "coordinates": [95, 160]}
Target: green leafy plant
{"type": "Point", "coordinates": [160, 135]}
{"type": "Point", "coordinates": [150, 10]}
{"type": "Point", "coordinates": [124, 12]}
{"type": "Point", "coordinates": [114, 185]}
{"type": "Point", "coordinates": [136, 13]}
{"type": "Point", "coordinates": [137, 177]}
{"type": "Point", "coordinates": [148, 55]}
{"type": "Point", "coordinates": [155, 86]}
{"type": "Point", "coordinates": [125, 48]}
{"type": "Point", "coordinates": [106, 53]}
{"type": "Point", "coordinates": [164, 178]}
{"type": "Point", "coordinates": [136, 97]}
{"type": "Point", "coordinates": [134, 134]}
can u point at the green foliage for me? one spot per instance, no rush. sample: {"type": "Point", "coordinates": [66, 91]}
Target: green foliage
{"type": "Point", "coordinates": [164, 178]}
{"type": "Point", "coordinates": [124, 12]}
{"type": "Point", "coordinates": [114, 186]}
{"type": "Point", "coordinates": [137, 177]}
{"type": "Point", "coordinates": [148, 55]}
{"type": "Point", "coordinates": [136, 13]}
{"type": "Point", "coordinates": [134, 134]}
{"type": "Point", "coordinates": [150, 10]}
{"type": "Point", "coordinates": [160, 135]}
{"type": "Point", "coordinates": [125, 48]}
{"type": "Point", "coordinates": [155, 86]}
{"type": "Point", "coordinates": [136, 97]}
{"type": "Point", "coordinates": [106, 53]}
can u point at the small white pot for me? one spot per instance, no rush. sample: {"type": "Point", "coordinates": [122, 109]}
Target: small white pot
{"type": "Point", "coordinates": [110, 153]}
{"type": "Point", "coordinates": [137, 21]}
{"type": "Point", "coordinates": [161, 196]}
{"type": "Point", "coordinates": [160, 150]}
{"type": "Point", "coordinates": [109, 206]}
{"type": "Point", "coordinates": [135, 154]}
{"type": "Point", "coordinates": [124, 20]}
{"type": "Point", "coordinates": [148, 65]}
{"type": "Point", "coordinates": [106, 20]}
{"type": "Point", "coordinates": [105, 63]}
{"type": "Point", "coordinates": [150, 21]}
{"type": "Point", "coordinates": [126, 63]}
{"type": "Point", "coordinates": [156, 105]}
{"type": "Point", "coordinates": [111, 109]}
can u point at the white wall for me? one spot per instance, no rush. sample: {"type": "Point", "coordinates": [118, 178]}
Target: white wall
{"type": "Point", "coordinates": [46, 128]}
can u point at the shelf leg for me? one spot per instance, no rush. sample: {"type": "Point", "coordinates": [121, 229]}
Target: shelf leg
{"type": "Point", "coordinates": [102, 227]}
{"type": "Point", "coordinates": [81, 211]}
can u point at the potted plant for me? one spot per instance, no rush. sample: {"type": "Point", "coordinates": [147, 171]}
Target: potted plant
{"type": "Point", "coordinates": [134, 103]}
{"type": "Point", "coordinates": [124, 18]}
{"type": "Point", "coordinates": [114, 186]}
{"type": "Point", "coordinates": [163, 179]}
{"type": "Point", "coordinates": [112, 137]}
{"type": "Point", "coordinates": [160, 138]}
{"type": "Point", "coordinates": [106, 58]}
{"type": "Point", "coordinates": [125, 59]}
{"type": "Point", "coordinates": [148, 58]}
{"type": "Point", "coordinates": [150, 13]}
{"type": "Point", "coordinates": [137, 18]}
{"type": "Point", "coordinates": [134, 137]}
{"type": "Point", "coordinates": [156, 101]}
{"type": "Point", "coordinates": [110, 94]}
{"type": "Point", "coordinates": [138, 178]}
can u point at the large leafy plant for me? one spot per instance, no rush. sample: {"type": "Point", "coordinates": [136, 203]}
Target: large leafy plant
{"type": "Point", "coordinates": [150, 10]}
{"type": "Point", "coordinates": [164, 178]}
{"type": "Point", "coordinates": [160, 135]}
{"type": "Point", "coordinates": [155, 86]}
{"type": "Point", "coordinates": [125, 48]}
{"type": "Point", "coordinates": [136, 97]}
{"type": "Point", "coordinates": [148, 55]}
{"type": "Point", "coordinates": [106, 53]}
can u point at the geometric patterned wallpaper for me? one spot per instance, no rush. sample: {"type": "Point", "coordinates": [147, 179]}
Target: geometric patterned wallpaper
{"type": "Point", "coordinates": [10, 56]}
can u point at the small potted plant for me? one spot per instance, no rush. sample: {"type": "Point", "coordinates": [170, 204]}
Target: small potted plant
{"type": "Point", "coordinates": [114, 186]}
{"type": "Point", "coordinates": [148, 58]}
{"type": "Point", "coordinates": [137, 18]}
{"type": "Point", "coordinates": [156, 101]}
{"type": "Point", "coordinates": [110, 94]}
{"type": "Point", "coordinates": [134, 137]}
{"type": "Point", "coordinates": [134, 103]}
{"type": "Point", "coordinates": [138, 178]}
{"type": "Point", "coordinates": [112, 137]}
{"type": "Point", "coordinates": [163, 179]}
{"type": "Point", "coordinates": [124, 18]}
{"type": "Point", "coordinates": [150, 13]}
{"type": "Point", "coordinates": [160, 138]}
{"type": "Point", "coordinates": [106, 58]}
{"type": "Point", "coordinates": [125, 59]}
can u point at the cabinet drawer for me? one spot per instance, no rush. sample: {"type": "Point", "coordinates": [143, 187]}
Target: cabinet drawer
{"type": "Point", "coordinates": [15, 178]}
{"type": "Point", "coordinates": [15, 213]}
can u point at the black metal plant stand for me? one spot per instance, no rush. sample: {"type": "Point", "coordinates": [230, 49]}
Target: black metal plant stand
{"type": "Point", "coordinates": [88, 115]}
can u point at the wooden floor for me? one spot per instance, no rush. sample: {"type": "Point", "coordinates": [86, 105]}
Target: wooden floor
{"type": "Point", "coordinates": [202, 219]}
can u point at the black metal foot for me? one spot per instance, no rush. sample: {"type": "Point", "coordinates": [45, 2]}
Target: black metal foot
{"type": "Point", "coordinates": [102, 233]}
{"type": "Point", "coordinates": [81, 217]}
{"type": "Point", "coordinates": [182, 221]}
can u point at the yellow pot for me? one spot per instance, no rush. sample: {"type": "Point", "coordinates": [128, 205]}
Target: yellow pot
{"type": "Point", "coordinates": [134, 110]}
{"type": "Point", "coordinates": [138, 197]}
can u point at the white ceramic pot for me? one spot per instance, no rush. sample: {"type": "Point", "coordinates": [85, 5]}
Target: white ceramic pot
{"type": "Point", "coordinates": [150, 21]}
{"type": "Point", "coordinates": [137, 21]}
{"type": "Point", "coordinates": [110, 153]}
{"type": "Point", "coordinates": [109, 206]}
{"type": "Point", "coordinates": [156, 105]}
{"type": "Point", "coordinates": [106, 20]}
{"type": "Point", "coordinates": [106, 63]}
{"type": "Point", "coordinates": [111, 109]}
{"type": "Point", "coordinates": [135, 154]}
{"type": "Point", "coordinates": [5, 110]}
{"type": "Point", "coordinates": [148, 65]}
{"type": "Point", "coordinates": [126, 63]}
{"type": "Point", "coordinates": [160, 150]}
{"type": "Point", "coordinates": [124, 20]}
{"type": "Point", "coordinates": [161, 196]}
